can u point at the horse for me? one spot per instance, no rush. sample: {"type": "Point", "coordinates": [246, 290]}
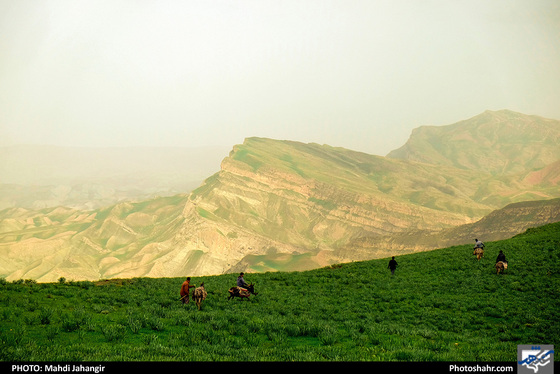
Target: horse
{"type": "Point", "coordinates": [501, 266]}
{"type": "Point", "coordinates": [241, 292]}
{"type": "Point", "coordinates": [479, 252]}
{"type": "Point", "coordinates": [199, 294]}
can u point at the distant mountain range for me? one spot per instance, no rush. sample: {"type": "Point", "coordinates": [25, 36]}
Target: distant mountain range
{"type": "Point", "coordinates": [497, 143]}
{"type": "Point", "coordinates": [36, 177]}
{"type": "Point", "coordinates": [285, 205]}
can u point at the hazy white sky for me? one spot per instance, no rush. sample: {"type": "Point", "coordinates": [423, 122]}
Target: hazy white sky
{"type": "Point", "coordinates": [355, 74]}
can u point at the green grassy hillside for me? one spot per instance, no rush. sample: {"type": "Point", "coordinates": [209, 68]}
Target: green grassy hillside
{"type": "Point", "coordinates": [442, 305]}
{"type": "Point", "coordinates": [496, 142]}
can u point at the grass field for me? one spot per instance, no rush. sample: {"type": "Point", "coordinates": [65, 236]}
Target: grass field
{"type": "Point", "coordinates": [441, 305]}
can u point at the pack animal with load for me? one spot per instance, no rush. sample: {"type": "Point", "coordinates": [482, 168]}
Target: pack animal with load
{"type": "Point", "coordinates": [242, 292]}
{"type": "Point", "coordinates": [199, 294]}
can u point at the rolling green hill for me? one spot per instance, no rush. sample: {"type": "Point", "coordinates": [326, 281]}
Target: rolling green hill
{"type": "Point", "coordinates": [441, 305]}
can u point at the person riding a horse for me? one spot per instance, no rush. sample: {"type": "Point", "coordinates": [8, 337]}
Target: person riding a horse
{"type": "Point", "coordinates": [501, 263]}
{"type": "Point", "coordinates": [241, 282]}
{"type": "Point", "coordinates": [242, 290]}
{"type": "Point", "coordinates": [501, 257]}
{"type": "Point", "coordinates": [478, 244]}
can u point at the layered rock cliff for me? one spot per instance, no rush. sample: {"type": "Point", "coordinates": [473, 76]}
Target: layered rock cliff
{"type": "Point", "coordinates": [285, 205]}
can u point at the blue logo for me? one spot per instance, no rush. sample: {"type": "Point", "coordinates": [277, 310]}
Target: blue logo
{"type": "Point", "coordinates": [535, 359]}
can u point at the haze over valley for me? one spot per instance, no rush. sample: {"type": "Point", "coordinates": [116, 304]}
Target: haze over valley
{"type": "Point", "coordinates": [35, 177]}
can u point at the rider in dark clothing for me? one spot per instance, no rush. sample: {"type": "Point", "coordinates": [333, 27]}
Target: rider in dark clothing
{"type": "Point", "coordinates": [501, 257]}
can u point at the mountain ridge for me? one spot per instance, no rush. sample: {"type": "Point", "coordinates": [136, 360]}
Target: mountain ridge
{"type": "Point", "coordinates": [500, 224]}
{"type": "Point", "coordinates": [287, 205]}
{"type": "Point", "coordinates": [496, 142]}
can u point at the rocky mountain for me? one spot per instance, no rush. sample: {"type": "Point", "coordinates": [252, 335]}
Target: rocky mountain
{"type": "Point", "coordinates": [121, 240]}
{"type": "Point", "coordinates": [502, 223]}
{"type": "Point", "coordinates": [494, 142]}
{"type": "Point", "coordinates": [285, 205]}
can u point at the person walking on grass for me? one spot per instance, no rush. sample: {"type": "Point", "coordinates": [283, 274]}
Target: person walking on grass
{"type": "Point", "coordinates": [392, 265]}
{"type": "Point", "coordinates": [185, 288]}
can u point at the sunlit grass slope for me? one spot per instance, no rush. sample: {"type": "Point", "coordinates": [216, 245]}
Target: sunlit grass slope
{"type": "Point", "coordinates": [441, 305]}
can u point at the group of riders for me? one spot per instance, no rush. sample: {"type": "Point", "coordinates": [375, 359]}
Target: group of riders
{"type": "Point", "coordinates": [242, 288]}
{"type": "Point", "coordinates": [479, 246]}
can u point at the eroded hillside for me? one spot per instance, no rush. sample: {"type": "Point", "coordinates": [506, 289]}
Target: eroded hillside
{"type": "Point", "coordinates": [285, 205]}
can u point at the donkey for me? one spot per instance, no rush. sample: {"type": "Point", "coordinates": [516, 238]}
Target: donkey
{"type": "Point", "coordinates": [501, 266]}
{"type": "Point", "coordinates": [479, 252]}
{"type": "Point", "coordinates": [241, 292]}
{"type": "Point", "coordinates": [199, 294]}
